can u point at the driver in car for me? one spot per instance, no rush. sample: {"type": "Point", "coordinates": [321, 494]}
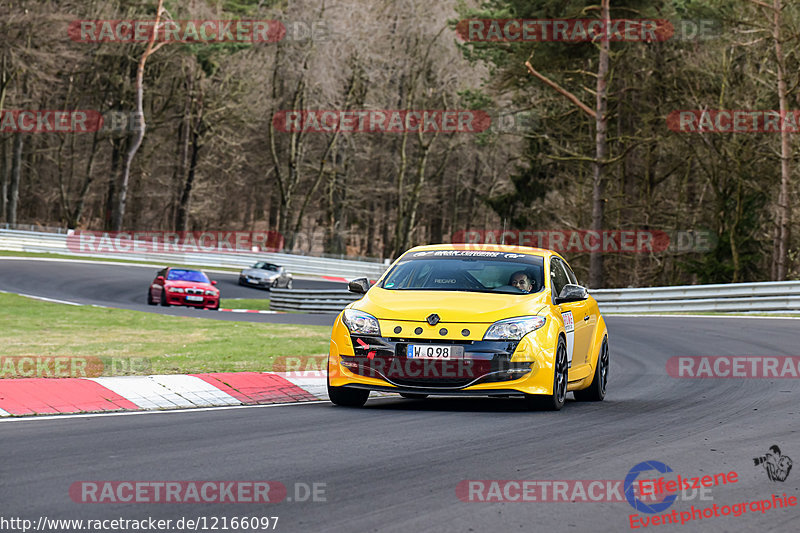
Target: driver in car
{"type": "Point", "coordinates": [521, 280]}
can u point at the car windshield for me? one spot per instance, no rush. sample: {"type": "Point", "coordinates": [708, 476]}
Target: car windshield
{"type": "Point", "coordinates": [187, 275]}
{"type": "Point", "coordinates": [266, 266]}
{"type": "Point", "coordinates": [470, 271]}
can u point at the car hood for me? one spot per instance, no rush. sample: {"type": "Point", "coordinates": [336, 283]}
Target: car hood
{"type": "Point", "coordinates": [451, 306]}
{"type": "Point", "coordinates": [258, 273]}
{"type": "Point", "coordinates": [189, 284]}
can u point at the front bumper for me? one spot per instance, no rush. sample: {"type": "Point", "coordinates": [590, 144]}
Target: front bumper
{"type": "Point", "coordinates": [255, 282]}
{"type": "Point", "coordinates": [208, 302]}
{"type": "Point", "coordinates": [491, 368]}
{"type": "Point", "coordinates": [481, 362]}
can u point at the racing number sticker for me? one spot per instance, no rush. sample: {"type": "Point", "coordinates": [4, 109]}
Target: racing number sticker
{"type": "Point", "coordinates": [569, 328]}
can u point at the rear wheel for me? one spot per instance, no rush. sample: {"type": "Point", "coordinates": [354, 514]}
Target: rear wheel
{"type": "Point", "coordinates": [413, 396]}
{"type": "Point", "coordinates": [554, 401]}
{"type": "Point", "coordinates": [289, 284]}
{"type": "Point", "coordinates": [597, 390]}
{"type": "Point", "coordinates": [150, 298]}
{"type": "Point", "coordinates": [164, 301]}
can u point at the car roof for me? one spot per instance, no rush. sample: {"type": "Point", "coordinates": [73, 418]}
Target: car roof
{"type": "Point", "coordinates": [542, 252]}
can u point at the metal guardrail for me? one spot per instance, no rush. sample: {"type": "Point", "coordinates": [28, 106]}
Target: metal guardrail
{"type": "Point", "coordinates": [727, 297]}
{"type": "Point", "coordinates": [311, 301]}
{"type": "Point", "coordinates": [733, 297]}
{"type": "Point", "coordinates": [36, 241]}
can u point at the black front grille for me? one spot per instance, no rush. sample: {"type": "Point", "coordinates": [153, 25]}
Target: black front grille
{"type": "Point", "coordinates": [380, 357]}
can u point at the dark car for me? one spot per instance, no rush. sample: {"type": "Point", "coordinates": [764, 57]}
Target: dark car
{"type": "Point", "coordinates": [181, 286]}
{"type": "Point", "coordinates": [265, 275]}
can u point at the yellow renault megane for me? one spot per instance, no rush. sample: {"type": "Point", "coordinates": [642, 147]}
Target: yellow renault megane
{"type": "Point", "coordinates": [458, 319]}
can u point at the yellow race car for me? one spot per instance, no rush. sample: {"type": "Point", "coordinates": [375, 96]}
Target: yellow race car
{"type": "Point", "coordinates": [457, 319]}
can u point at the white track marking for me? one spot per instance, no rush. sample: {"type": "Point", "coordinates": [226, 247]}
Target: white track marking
{"type": "Point", "coordinates": [166, 392]}
{"type": "Point", "coordinates": [164, 412]}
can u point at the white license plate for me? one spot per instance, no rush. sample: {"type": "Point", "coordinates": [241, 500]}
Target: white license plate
{"type": "Point", "coordinates": [194, 298]}
{"type": "Point", "coordinates": [433, 351]}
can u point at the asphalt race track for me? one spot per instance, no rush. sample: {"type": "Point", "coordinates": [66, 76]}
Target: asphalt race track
{"type": "Point", "coordinates": [395, 464]}
{"type": "Point", "coordinates": [124, 286]}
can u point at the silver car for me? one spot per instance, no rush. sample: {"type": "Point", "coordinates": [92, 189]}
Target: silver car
{"type": "Point", "coordinates": [265, 276]}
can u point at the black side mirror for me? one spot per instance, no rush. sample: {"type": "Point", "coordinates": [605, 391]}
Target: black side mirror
{"type": "Point", "coordinates": [358, 286]}
{"type": "Point", "coordinates": [572, 293]}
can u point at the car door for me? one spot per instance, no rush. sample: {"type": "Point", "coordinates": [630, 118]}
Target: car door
{"type": "Point", "coordinates": [590, 317]}
{"type": "Point", "coordinates": [575, 323]}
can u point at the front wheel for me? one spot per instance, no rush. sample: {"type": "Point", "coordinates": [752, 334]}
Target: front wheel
{"type": "Point", "coordinates": [347, 397]}
{"type": "Point", "coordinates": [289, 284]}
{"type": "Point", "coordinates": [555, 401]}
{"type": "Point", "coordinates": [597, 390]}
{"type": "Point", "coordinates": [164, 301]}
{"type": "Point", "coordinates": [150, 298]}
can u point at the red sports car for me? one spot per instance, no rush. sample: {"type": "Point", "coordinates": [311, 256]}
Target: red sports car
{"type": "Point", "coordinates": [180, 286]}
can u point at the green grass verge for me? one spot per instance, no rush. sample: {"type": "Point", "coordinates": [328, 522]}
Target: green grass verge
{"type": "Point", "coordinates": [244, 303]}
{"type": "Point", "coordinates": [171, 345]}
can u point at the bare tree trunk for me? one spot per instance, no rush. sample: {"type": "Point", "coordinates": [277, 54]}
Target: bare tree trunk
{"type": "Point", "coordinates": [3, 179]}
{"type": "Point", "coordinates": [111, 191]}
{"type": "Point", "coordinates": [784, 204]}
{"type": "Point", "coordinates": [16, 173]}
{"type": "Point", "coordinates": [77, 213]}
{"type": "Point", "coordinates": [183, 151]}
{"type": "Point", "coordinates": [601, 152]}
{"type": "Point", "coordinates": [183, 206]}
{"type": "Point", "coordinates": [119, 214]}
{"type": "Point", "coordinates": [732, 232]}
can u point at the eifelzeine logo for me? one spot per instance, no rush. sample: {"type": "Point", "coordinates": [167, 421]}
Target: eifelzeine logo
{"type": "Point", "coordinates": [775, 463]}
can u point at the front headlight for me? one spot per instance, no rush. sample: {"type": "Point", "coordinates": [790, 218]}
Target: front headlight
{"type": "Point", "coordinates": [513, 328]}
{"type": "Point", "coordinates": [211, 293]}
{"type": "Point", "coordinates": [360, 322]}
{"type": "Point", "coordinates": [175, 289]}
